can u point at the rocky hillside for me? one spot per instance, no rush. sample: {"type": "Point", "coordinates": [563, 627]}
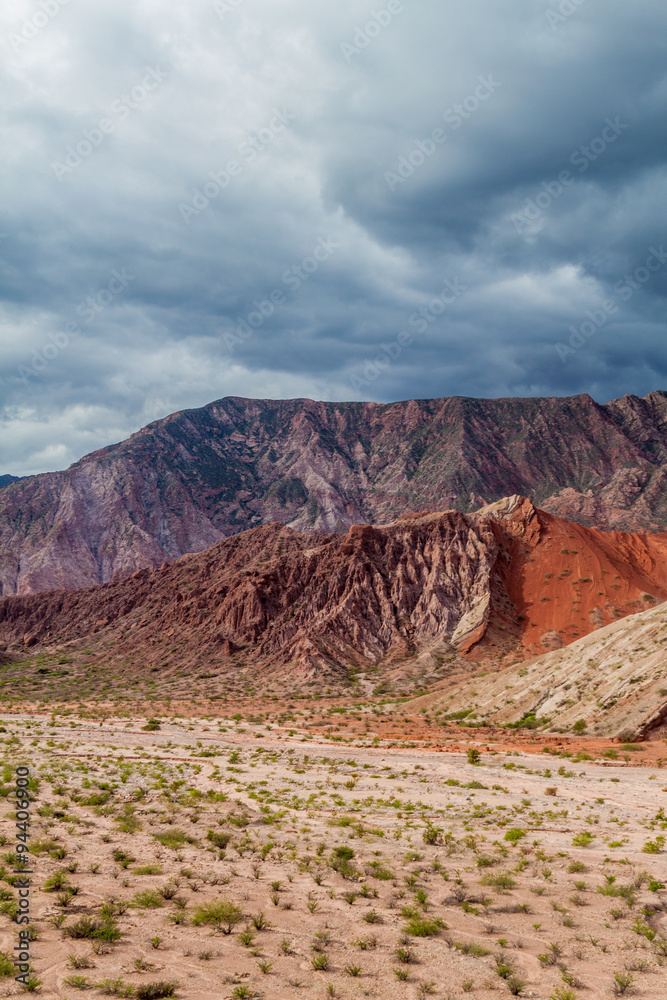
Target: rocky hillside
{"type": "Point", "coordinates": [425, 589]}
{"type": "Point", "coordinates": [611, 683]}
{"type": "Point", "coordinates": [6, 480]}
{"type": "Point", "coordinates": [196, 477]}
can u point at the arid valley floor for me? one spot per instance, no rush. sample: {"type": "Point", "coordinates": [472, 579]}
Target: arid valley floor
{"type": "Point", "coordinates": [346, 868]}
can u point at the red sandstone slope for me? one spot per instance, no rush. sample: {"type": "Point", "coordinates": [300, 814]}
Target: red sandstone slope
{"type": "Point", "coordinates": [486, 584]}
{"type": "Point", "coordinates": [566, 580]}
{"type": "Point", "coordinates": [187, 481]}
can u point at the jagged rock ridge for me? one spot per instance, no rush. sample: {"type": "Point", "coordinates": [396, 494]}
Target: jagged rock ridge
{"type": "Point", "coordinates": [434, 584]}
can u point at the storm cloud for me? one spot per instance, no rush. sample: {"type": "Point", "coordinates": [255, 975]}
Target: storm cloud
{"type": "Point", "coordinates": [278, 198]}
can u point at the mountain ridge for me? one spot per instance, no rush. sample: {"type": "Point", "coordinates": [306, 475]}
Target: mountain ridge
{"type": "Point", "coordinates": [190, 479]}
{"type": "Point", "coordinates": [312, 609]}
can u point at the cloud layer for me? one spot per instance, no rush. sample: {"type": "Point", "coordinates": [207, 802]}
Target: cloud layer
{"type": "Point", "coordinates": [344, 201]}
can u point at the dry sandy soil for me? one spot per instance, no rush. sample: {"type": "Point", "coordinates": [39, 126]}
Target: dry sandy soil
{"type": "Point", "coordinates": [399, 871]}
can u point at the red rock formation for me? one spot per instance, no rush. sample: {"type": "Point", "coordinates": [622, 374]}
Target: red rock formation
{"type": "Point", "coordinates": [509, 578]}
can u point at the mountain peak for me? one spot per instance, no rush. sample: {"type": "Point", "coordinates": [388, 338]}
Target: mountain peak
{"type": "Point", "coordinates": [197, 476]}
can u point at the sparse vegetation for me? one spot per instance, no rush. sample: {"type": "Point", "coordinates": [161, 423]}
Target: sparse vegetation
{"type": "Point", "coordinates": [150, 850]}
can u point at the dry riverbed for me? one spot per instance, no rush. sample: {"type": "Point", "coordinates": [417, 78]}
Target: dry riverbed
{"type": "Point", "coordinates": [201, 859]}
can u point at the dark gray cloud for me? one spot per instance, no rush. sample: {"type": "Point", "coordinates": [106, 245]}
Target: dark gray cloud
{"type": "Point", "coordinates": [258, 197]}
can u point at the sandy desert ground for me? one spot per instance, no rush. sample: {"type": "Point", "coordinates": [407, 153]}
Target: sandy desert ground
{"type": "Point", "coordinates": [208, 858]}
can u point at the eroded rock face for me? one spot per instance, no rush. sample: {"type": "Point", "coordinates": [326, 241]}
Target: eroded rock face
{"type": "Point", "coordinates": [283, 597]}
{"type": "Point", "coordinates": [490, 584]}
{"type": "Point", "coordinates": [611, 680]}
{"type": "Point", "coordinates": [187, 481]}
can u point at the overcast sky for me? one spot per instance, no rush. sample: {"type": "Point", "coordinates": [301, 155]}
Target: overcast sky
{"type": "Point", "coordinates": [413, 199]}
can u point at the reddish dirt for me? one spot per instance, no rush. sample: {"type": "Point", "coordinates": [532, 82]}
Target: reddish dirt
{"type": "Point", "coordinates": [571, 580]}
{"type": "Point", "coordinates": [389, 729]}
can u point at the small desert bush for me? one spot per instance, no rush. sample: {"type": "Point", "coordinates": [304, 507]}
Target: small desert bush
{"type": "Point", "coordinates": [122, 858]}
{"type": "Point", "coordinates": [622, 983]}
{"type": "Point", "coordinates": [222, 913]}
{"type": "Point", "coordinates": [115, 988]}
{"type": "Point", "coordinates": [155, 991]}
{"type": "Point", "coordinates": [219, 839]}
{"type": "Point", "coordinates": [148, 900]}
{"type": "Point", "coordinates": [499, 880]}
{"type": "Point", "coordinates": [515, 835]}
{"type": "Point", "coordinates": [341, 861]}
{"type": "Point", "coordinates": [91, 928]}
{"type": "Point", "coordinates": [56, 882]}
{"type": "Point", "coordinates": [471, 948]}
{"type": "Point", "coordinates": [423, 926]}
{"type": "Point", "coordinates": [173, 838]}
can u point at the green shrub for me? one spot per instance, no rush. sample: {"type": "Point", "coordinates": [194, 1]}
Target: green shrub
{"type": "Point", "coordinates": [499, 880]}
{"type": "Point", "coordinates": [128, 823]}
{"type": "Point", "coordinates": [148, 900]}
{"type": "Point", "coordinates": [471, 948]}
{"type": "Point", "coordinates": [96, 799]}
{"type": "Point", "coordinates": [654, 846]}
{"type": "Point", "coordinates": [87, 928]}
{"type": "Point", "coordinates": [123, 858]}
{"type": "Point", "coordinates": [173, 838]}
{"type": "Point", "coordinates": [43, 845]}
{"type": "Point", "coordinates": [424, 927]}
{"type": "Point", "coordinates": [218, 839]}
{"type": "Point", "coordinates": [431, 834]}
{"type": "Point", "coordinates": [341, 861]}
{"type": "Point", "coordinates": [78, 983]}
{"type": "Point", "coordinates": [222, 913]}
{"type": "Point", "coordinates": [622, 983]}
{"type": "Point", "coordinates": [56, 882]}
{"type": "Point", "coordinates": [115, 988]}
{"type": "Point", "coordinates": [147, 870]}
{"type": "Point", "coordinates": [515, 835]}
{"type": "Point", "coordinates": [155, 991]}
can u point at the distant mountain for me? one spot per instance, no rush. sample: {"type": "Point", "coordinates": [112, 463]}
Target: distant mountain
{"type": "Point", "coordinates": [195, 477]}
{"type": "Point", "coordinates": [504, 583]}
{"type": "Point", "coordinates": [6, 480]}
